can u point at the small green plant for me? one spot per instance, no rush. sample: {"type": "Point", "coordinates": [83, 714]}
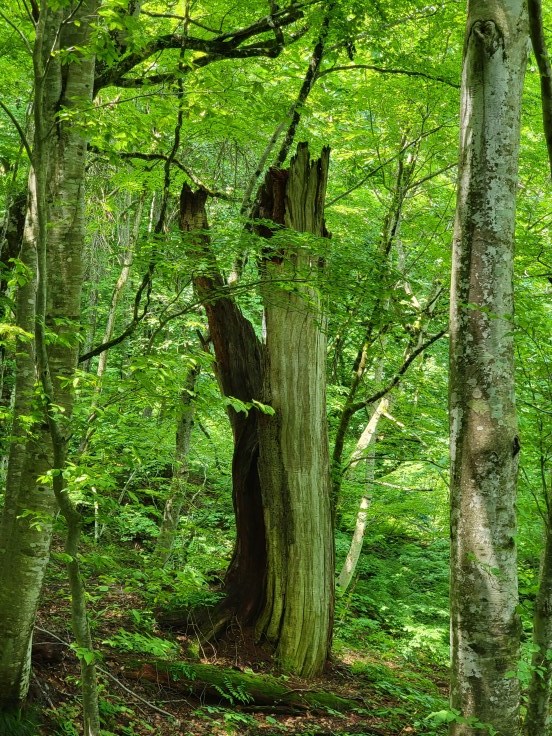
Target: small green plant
{"type": "Point", "coordinates": [452, 715]}
{"type": "Point", "coordinates": [235, 723]}
{"type": "Point", "coordinates": [129, 641]}
{"type": "Point", "coordinates": [234, 693]}
{"type": "Point", "coordinates": [23, 723]}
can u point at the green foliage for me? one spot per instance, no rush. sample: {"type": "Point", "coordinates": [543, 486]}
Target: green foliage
{"type": "Point", "coordinates": [377, 280]}
{"type": "Point", "coordinates": [234, 692]}
{"type": "Point", "coordinates": [399, 601]}
{"type": "Point", "coordinates": [453, 716]}
{"type": "Point", "coordinates": [128, 641]}
{"type": "Point", "coordinates": [20, 723]}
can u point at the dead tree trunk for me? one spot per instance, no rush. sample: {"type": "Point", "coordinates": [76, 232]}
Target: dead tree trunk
{"type": "Point", "coordinates": [281, 574]}
{"type": "Point", "coordinates": [238, 370]}
{"type": "Point", "coordinates": [294, 455]}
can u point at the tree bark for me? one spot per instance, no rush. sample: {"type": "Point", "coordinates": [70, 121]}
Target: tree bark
{"type": "Point", "coordinates": [238, 369]}
{"type": "Point", "coordinates": [485, 627]}
{"type": "Point", "coordinates": [537, 719]}
{"type": "Point", "coordinates": [364, 444]}
{"type": "Point", "coordinates": [56, 207]}
{"type": "Point", "coordinates": [10, 248]}
{"type": "Point", "coordinates": [294, 455]}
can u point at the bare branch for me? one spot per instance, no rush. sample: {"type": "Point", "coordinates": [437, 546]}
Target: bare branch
{"type": "Point", "coordinates": [399, 374]}
{"type": "Point", "coordinates": [19, 129]}
{"type": "Point", "coordinates": [383, 70]}
{"type": "Point", "coordinates": [224, 46]}
{"type": "Point", "coordinates": [189, 173]}
{"type": "Point", "coordinates": [19, 33]}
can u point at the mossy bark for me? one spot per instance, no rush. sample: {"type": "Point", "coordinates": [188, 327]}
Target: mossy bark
{"type": "Point", "coordinates": [294, 454]}
{"type": "Point", "coordinates": [52, 250]}
{"type": "Point", "coordinates": [238, 688]}
{"type": "Point", "coordinates": [537, 719]}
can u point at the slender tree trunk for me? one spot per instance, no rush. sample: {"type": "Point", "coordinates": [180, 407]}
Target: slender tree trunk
{"type": "Point", "coordinates": [26, 523]}
{"type": "Point", "coordinates": [179, 481]}
{"type": "Point", "coordinates": [406, 167]}
{"type": "Point", "coordinates": [10, 247]}
{"type": "Point", "coordinates": [364, 444]}
{"type": "Point", "coordinates": [128, 240]}
{"type": "Point", "coordinates": [485, 626]}
{"type": "Point", "coordinates": [537, 719]}
{"type": "Point", "coordinates": [294, 455]}
{"type": "Point", "coordinates": [54, 231]}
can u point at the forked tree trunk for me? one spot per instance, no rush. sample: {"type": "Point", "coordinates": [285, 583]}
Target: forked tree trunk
{"type": "Point", "coordinates": [294, 455]}
{"type": "Point", "coordinates": [295, 556]}
{"type": "Point", "coordinates": [238, 369]}
{"type": "Point", "coordinates": [485, 627]}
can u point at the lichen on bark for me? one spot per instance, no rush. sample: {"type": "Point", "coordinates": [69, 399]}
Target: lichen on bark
{"type": "Point", "coordinates": [484, 456]}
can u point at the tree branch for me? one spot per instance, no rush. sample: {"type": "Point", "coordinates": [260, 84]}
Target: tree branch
{"type": "Point", "coordinates": [398, 375]}
{"type": "Point", "coordinates": [538, 40]}
{"type": "Point", "coordinates": [19, 129]}
{"type": "Point", "coordinates": [293, 115]}
{"type": "Point", "coordinates": [224, 46]}
{"type": "Point", "coordinates": [190, 174]}
{"type": "Point", "coordinates": [383, 70]}
{"type": "Point", "coordinates": [133, 324]}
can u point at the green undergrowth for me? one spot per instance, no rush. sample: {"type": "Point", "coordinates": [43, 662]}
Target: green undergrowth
{"type": "Point", "coordinates": [391, 626]}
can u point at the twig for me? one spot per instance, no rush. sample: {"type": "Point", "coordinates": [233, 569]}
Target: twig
{"type": "Point", "coordinates": [139, 697]}
{"type": "Point", "coordinates": [115, 679]}
{"type": "Point", "coordinates": [19, 32]}
{"type": "Point", "coordinates": [399, 374]}
{"type": "Point", "coordinates": [19, 129]}
{"type": "Point", "coordinates": [43, 691]}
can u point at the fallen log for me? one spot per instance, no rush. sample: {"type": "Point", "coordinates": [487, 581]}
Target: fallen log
{"type": "Point", "coordinates": [237, 688]}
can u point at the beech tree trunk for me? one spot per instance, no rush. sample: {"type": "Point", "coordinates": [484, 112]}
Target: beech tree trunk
{"type": "Point", "coordinates": [485, 627]}
{"type": "Point", "coordinates": [294, 453]}
{"type": "Point", "coordinates": [56, 206]}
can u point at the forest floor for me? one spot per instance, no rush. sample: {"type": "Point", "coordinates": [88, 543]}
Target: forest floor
{"type": "Point", "coordinates": [392, 698]}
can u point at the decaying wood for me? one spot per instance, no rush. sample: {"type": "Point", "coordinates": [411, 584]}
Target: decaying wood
{"type": "Point", "coordinates": [238, 370]}
{"type": "Point", "coordinates": [225, 685]}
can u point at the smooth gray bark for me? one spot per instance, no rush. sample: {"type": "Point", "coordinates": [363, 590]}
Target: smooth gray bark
{"type": "Point", "coordinates": [485, 627]}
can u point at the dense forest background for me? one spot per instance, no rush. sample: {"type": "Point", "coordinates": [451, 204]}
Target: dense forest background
{"type": "Point", "coordinates": [189, 104]}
